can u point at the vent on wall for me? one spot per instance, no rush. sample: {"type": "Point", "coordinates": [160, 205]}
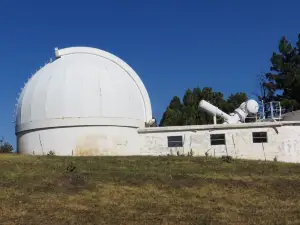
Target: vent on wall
{"type": "Point", "coordinates": [175, 141]}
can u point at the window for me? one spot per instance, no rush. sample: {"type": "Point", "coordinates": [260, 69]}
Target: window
{"type": "Point", "coordinates": [175, 141]}
{"type": "Point", "coordinates": [217, 139]}
{"type": "Point", "coordinates": [259, 137]}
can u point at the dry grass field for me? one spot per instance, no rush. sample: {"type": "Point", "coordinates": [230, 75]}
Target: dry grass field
{"type": "Point", "coordinates": [146, 190]}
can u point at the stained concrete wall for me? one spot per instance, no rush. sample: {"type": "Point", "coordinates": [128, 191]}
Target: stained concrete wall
{"type": "Point", "coordinates": [283, 141]}
{"type": "Point", "coordinates": [80, 141]}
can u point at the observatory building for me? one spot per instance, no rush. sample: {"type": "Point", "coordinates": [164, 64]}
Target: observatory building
{"type": "Point", "coordinates": [86, 102]}
{"type": "Point", "coordinates": [90, 102]}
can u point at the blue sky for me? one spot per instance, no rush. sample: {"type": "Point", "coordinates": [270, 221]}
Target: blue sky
{"type": "Point", "coordinates": [172, 45]}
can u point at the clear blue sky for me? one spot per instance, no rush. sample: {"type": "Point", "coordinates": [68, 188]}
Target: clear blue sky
{"type": "Point", "coordinates": [172, 45]}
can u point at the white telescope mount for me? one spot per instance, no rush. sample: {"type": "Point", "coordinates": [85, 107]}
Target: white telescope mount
{"type": "Point", "coordinates": [239, 115]}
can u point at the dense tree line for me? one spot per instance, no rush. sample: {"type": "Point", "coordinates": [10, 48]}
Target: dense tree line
{"type": "Point", "coordinates": [186, 112]}
{"type": "Point", "coordinates": [282, 84]}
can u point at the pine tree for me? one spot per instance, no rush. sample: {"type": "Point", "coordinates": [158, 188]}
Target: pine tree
{"type": "Point", "coordinates": [173, 114]}
{"type": "Point", "coordinates": [284, 75]}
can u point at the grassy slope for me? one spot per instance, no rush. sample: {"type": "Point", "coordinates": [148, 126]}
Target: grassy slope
{"type": "Point", "coordinates": [147, 190]}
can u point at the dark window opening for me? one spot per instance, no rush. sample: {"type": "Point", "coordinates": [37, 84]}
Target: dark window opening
{"type": "Point", "coordinates": [217, 139]}
{"type": "Point", "coordinates": [260, 137]}
{"type": "Point", "coordinates": [175, 141]}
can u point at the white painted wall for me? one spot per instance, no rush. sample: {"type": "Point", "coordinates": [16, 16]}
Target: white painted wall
{"type": "Point", "coordinates": [80, 141]}
{"type": "Point", "coordinates": [283, 141]}
{"type": "Point", "coordinates": [283, 145]}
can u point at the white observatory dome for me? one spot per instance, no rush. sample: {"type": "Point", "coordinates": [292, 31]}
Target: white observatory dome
{"type": "Point", "coordinates": [86, 102]}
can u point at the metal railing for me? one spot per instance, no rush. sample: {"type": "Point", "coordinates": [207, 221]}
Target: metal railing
{"type": "Point", "coordinates": [270, 111]}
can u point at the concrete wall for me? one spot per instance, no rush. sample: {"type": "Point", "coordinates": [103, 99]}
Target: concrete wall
{"type": "Point", "coordinates": [80, 141]}
{"type": "Point", "coordinates": [283, 141]}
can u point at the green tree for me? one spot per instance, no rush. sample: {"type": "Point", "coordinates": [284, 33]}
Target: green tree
{"type": "Point", "coordinates": [171, 117]}
{"type": "Point", "coordinates": [175, 103]}
{"type": "Point", "coordinates": [189, 108]}
{"type": "Point", "coordinates": [283, 80]}
{"type": "Point", "coordinates": [234, 101]}
{"type": "Point", "coordinates": [187, 112]}
{"type": "Point", "coordinates": [173, 114]}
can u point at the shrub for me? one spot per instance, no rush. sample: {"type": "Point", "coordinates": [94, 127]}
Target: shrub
{"type": "Point", "coordinates": [227, 158]}
{"type": "Point", "coordinates": [70, 167]}
{"type": "Point", "coordinates": [206, 155]}
{"type": "Point", "coordinates": [190, 154]}
{"type": "Point", "coordinates": [5, 147]}
{"type": "Point", "coordinates": [51, 153]}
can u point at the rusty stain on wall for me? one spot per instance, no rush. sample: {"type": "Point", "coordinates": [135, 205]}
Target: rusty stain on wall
{"type": "Point", "coordinates": [83, 151]}
{"type": "Point", "coordinates": [93, 145]}
{"type": "Point", "coordinates": [89, 145]}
